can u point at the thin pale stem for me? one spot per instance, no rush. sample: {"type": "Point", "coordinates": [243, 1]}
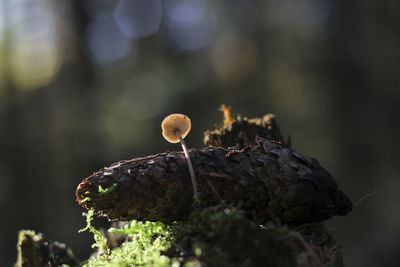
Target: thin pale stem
{"type": "Point", "coordinates": [191, 171]}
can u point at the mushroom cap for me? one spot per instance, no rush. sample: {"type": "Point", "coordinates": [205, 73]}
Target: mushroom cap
{"type": "Point", "coordinates": [175, 122]}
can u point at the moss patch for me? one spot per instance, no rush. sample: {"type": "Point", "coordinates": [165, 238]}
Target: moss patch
{"type": "Point", "coordinates": [221, 236]}
{"type": "Point", "coordinates": [216, 236]}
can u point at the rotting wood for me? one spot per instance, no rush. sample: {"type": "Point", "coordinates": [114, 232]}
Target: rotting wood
{"type": "Point", "coordinates": [241, 132]}
{"type": "Point", "coordinates": [269, 180]}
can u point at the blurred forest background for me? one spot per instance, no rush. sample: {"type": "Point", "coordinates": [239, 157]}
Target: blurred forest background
{"type": "Point", "coordinates": [84, 83]}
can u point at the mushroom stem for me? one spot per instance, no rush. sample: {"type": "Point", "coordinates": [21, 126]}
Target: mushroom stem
{"type": "Point", "coordinates": [186, 152]}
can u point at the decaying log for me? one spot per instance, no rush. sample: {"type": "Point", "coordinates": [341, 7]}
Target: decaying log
{"type": "Point", "coordinates": [268, 181]}
{"type": "Point", "coordinates": [35, 250]}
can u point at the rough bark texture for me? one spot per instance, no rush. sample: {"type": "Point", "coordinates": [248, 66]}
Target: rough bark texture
{"type": "Point", "coordinates": [268, 181]}
{"type": "Point", "coordinates": [34, 250]}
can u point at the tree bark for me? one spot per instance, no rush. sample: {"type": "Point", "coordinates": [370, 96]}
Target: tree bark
{"type": "Point", "coordinates": [268, 181]}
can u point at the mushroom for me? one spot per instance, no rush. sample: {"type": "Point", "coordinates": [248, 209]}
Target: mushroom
{"type": "Point", "coordinates": [175, 127]}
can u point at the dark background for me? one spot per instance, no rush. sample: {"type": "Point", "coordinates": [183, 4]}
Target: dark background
{"type": "Point", "coordinates": [87, 83]}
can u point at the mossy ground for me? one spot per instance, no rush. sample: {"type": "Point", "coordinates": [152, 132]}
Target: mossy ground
{"type": "Point", "coordinates": [215, 236]}
{"type": "Point", "coordinates": [143, 245]}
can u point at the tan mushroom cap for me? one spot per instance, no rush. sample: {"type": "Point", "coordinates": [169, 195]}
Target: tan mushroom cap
{"type": "Point", "coordinates": [175, 122]}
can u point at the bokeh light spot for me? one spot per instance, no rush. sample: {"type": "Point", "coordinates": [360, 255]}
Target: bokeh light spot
{"type": "Point", "coordinates": [186, 13]}
{"type": "Point", "coordinates": [1, 21]}
{"type": "Point", "coordinates": [138, 19]}
{"type": "Point", "coordinates": [34, 64]}
{"type": "Point", "coordinates": [191, 24]}
{"type": "Point", "coordinates": [105, 42]}
{"type": "Point", "coordinates": [34, 50]}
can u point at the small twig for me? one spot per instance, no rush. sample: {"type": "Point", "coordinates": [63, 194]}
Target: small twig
{"type": "Point", "coordinates": [358, 203]}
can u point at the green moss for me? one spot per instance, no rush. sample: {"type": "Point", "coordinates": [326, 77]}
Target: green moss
{"type": "Point", "coordinates": [105, 191]}
{"type": "Point", "coordinates": [100, 241]}
{"type": "Point", "coordinates": [215, 236]}
{"type": "Point", "coordinates": [101, 192]}
{"type": "Point", "coordinates": [86, 199]}
{"type": "Point", "coordinates": [221, 236]}
{"type": "Point", "coordinates": [143, 246]}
